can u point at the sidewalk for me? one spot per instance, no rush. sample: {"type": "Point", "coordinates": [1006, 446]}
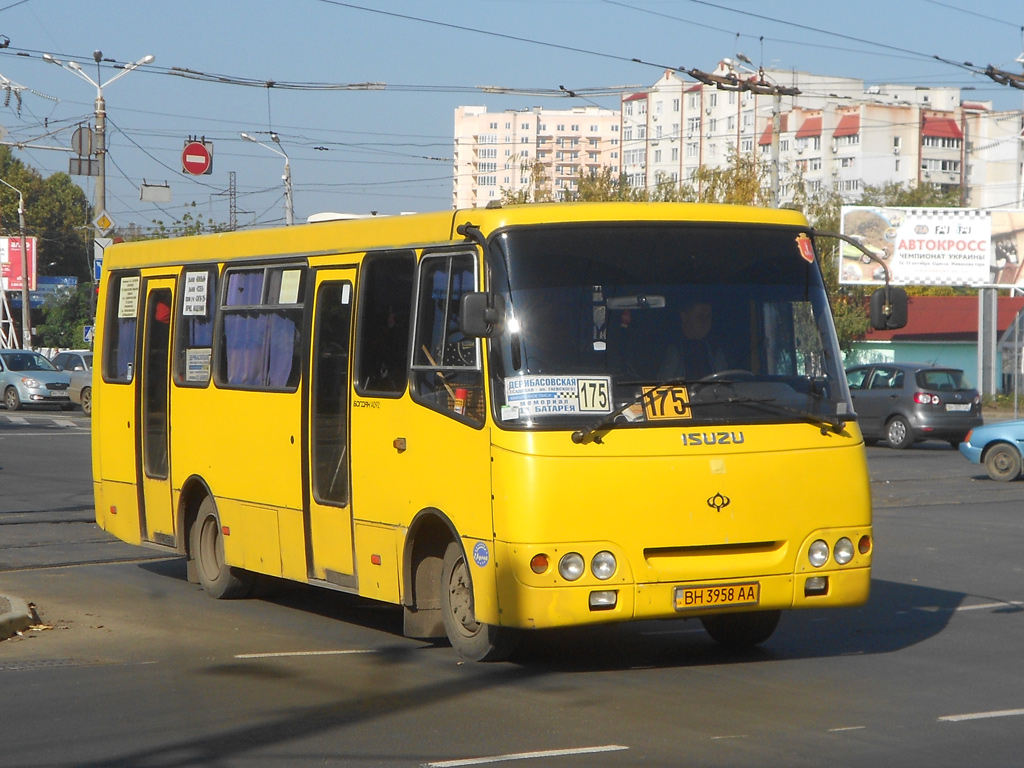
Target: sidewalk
{"type": "Point", "coordinates": [15, 616]}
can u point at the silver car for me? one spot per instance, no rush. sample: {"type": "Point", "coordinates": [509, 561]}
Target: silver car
{"type": "Point", "coordinates": [28, 378]}
{"type": "Point", "coordinates": [81, 390]}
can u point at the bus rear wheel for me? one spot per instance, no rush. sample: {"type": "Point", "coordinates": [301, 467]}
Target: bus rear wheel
{"type": "Point", "coordinates": [741, 630]}
{"type": "Point", "coordinates": [470, 639]}
{"type": "Point", "coordinates": [206, 539]}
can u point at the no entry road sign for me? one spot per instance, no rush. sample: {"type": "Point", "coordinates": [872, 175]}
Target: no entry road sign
{"type": "Point", "coordinates": [197, 158]}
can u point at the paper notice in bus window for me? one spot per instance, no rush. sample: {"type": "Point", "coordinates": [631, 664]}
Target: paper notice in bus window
{"type": "Point", "coordinates": [197, 364]}
{"type": "Point", "coordinates": [290, 280]}
{"type": "Point", "coordinates": [128, 299]}
{"type": "Point", "coordinates": [528, 396]}
{"type": "Point", "coordinates": [194, 299]}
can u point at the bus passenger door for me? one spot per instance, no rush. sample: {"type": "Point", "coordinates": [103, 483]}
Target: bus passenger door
{"type": "Point", "coordinates": [153, 419]}
{"type": "Point", "coordinates": [329, 516]}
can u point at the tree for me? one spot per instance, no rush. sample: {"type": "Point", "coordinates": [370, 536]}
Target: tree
{"type": "Point", "coordinates": [56, 212]}
{"type": "Point", "coordinates": [65, 315]}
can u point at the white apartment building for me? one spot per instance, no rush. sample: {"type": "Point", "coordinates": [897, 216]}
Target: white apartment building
{"type": "Point", "coordinates": [834, 134]}
{"type": "Point", "coordinates": [497, 152]}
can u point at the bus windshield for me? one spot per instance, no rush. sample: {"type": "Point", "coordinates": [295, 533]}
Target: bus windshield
{"type": "Point", "coordinates": [693, 323]}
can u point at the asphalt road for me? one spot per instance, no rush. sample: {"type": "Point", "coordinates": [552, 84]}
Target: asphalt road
{"type": "Point", "coordinates": [141, 668]}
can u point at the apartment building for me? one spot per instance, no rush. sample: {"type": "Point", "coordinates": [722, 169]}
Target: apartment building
{"type": "Point", "coordinates": [834, 134]}
{"type": "Point", "coordinates": [538, 151]}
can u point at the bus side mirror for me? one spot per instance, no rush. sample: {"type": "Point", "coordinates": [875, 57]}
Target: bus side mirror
{"type": "Point", "coordinates": [480, 313]}
{"type": "Point", "coordinates": [888, 308]}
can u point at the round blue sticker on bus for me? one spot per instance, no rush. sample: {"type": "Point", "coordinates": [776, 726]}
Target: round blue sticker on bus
{"type": "Point", "coordinates": [480, 554]}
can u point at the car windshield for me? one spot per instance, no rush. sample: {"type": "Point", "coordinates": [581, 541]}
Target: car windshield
{"type": "Point", "coordinates": [733, 317]}
{"type": "Point", "coordinates": [948, 380]}
{"type": "Point", "coordinates": [27, 361]}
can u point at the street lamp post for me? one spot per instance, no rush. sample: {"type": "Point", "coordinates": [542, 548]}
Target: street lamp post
{"type": "Point", "coordinates": [26, 310]}
{"type": "Point", "coordinates": [101, 114]}
{"type": "Point", "coordinates": [289, 213]}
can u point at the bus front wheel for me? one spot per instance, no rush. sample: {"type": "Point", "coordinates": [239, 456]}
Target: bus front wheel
{"type": "Point", "coordinates": [217, 578]}
{"type": "Point", "coordinates": [470, 639]}
{"type": "Point", "coordinates": [741, 630]}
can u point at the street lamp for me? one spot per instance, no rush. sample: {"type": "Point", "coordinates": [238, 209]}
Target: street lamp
{"type": "Point", "coordinates": [289, 213]}
{"type": "Point", "coordinates": [26, 311]}
{"type": "Point", "coordinates": [101, 113]}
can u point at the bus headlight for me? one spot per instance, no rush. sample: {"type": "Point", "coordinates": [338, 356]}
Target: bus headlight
{"type": "Point", "coordinates": [571, 566]}
{"type": "Point", "coordinates": [603, 565]}
{"type": "Point", "coordinates": [818, 553]}
{"type": "Point", "coordinates": [843, 552]}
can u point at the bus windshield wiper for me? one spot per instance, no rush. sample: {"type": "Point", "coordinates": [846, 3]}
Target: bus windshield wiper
{"type": "Point", "coordinates": [825, 421]}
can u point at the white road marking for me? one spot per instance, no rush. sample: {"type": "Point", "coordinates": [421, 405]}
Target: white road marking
{"type": "Point", "coordinates": [847, 728]}
{"type": "Point", "coordinates": [283, 654]}
{"type": "Point", "coordinates": [525, 756]}
{"type": "Point", "coordinates": [17, 420]}
{"type": "Point", "coordinates": [982, 715]}
{"type": "Point", "coordinates": [982, 606]}
{"type": "Point", "coordinates": [720, 738]}
{"type": "Point", "coordinates": [975, 607]}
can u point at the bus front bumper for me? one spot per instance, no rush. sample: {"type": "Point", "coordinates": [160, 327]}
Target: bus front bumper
{"type": "Point", "coordinates": [547, 607]}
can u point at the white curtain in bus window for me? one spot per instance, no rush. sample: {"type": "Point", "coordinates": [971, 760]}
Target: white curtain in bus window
{"type": "Point", "coordinates": [262, 316]}
{"type": "Point", "coordinates": [194, 328]}
{"type": "Point", "coordinates": [122, 320]}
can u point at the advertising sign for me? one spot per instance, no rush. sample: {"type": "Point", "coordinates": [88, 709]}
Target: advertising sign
{"type": "Point", "coordinates": [10, 263]}
{"type": "Point", "coordinates": [933, 246]}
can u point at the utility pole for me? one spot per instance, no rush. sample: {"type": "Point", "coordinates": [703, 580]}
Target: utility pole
{"type": "Point", "coordinates": [101, 117]}
{"type": "Point", "coordinates": [733, 82]}
{"type": "Point", "coordinates": [773, 198]}
{"type": "Point", "coordinates": [26, 309]}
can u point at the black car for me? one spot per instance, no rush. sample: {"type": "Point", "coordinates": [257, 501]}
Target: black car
{"type": "Point", "coordinates": [902, 403]}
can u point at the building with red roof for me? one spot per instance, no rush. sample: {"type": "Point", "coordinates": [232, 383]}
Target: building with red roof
{"type": "Point", "coordinates": [943, 330]}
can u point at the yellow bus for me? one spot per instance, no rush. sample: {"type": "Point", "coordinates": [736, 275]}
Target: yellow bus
{"type": "Point", "coordinates": [500, 419]}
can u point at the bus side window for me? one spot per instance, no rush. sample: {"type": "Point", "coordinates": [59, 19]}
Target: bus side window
{"type": "Point", "coordinates": [385, 312]}
{"type": "Point", "coordinates": [446, 371]}
{"type": "Point", "coordinates": [122, 322]}
{"type": "Point", "coordinates": [193, 345]}
{"type": "Point", "coordinates": [262, 316]}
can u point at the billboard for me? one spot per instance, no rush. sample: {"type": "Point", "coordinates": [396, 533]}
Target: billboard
{"type": "Point", "coordinates": [934, 246]}
{"type": "Point", "coordinates": [10, 263]}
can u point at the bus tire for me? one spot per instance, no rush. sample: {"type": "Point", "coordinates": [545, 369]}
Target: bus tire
{"type": "Point", "coordinates": [470, 639]}
{"type": "Point", "coordinates": [741, 630]}
{"type": "Point", "coordinates": [218, 579]}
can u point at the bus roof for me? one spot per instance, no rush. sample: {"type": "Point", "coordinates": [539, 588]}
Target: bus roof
{"type": "Point", "coordinates": [355, 235]}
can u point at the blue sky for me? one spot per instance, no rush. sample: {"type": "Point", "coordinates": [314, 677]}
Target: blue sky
{"type": "Point", "coordinates": [389, 149]}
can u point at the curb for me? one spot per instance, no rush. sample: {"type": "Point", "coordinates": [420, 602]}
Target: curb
{"type": "Point", "coordinates": [15, 616]}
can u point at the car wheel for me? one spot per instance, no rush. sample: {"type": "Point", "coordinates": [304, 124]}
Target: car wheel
{"type": "Point", "coordinates": [898, 433]}
{"type": "Point", "coordinates": [11, 400]}
{"type": "Point", "coordinates": [87, 401]}
{"type": "Point", "coordinates": [1003, 462]}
